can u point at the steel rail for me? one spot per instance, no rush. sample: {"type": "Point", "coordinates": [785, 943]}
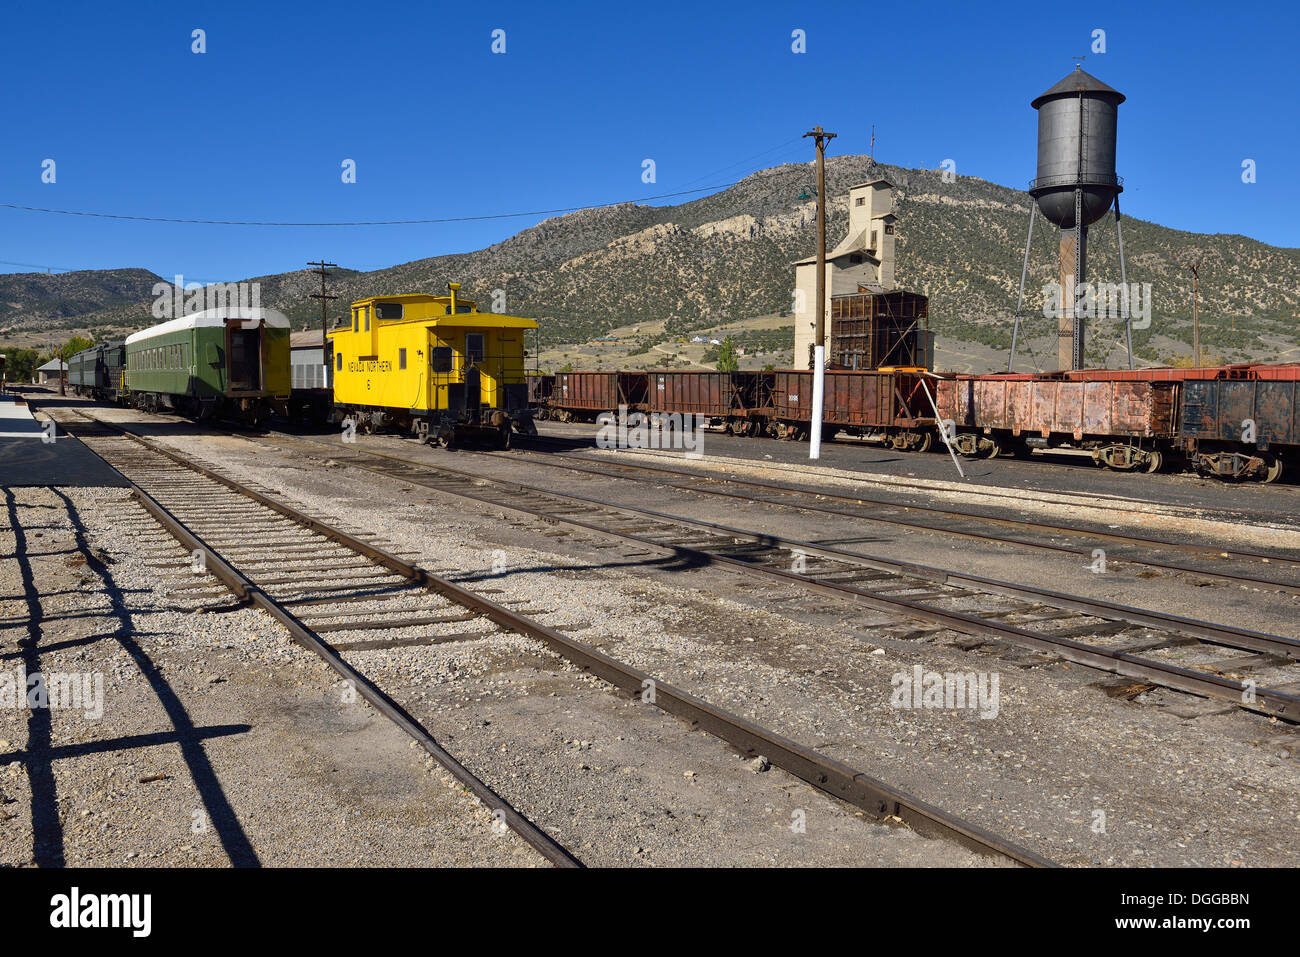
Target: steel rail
{"type": "Point", "coordinates": [826, 774]}
{"type": "Point", "coordinates": [1245, 695]}
{"type": "Point", "coordinates": [249, 593]}
{"type": "Point", "coordinates": [1052, 457]}
{"type": "Point", "coordinates": [1191, 548]}
{"type": "Point", "coordinates": [1228, 635]}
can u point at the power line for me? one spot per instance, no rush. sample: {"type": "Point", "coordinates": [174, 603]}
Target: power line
{"type": "Point", "coordinates": [390, 222]}
{"type": "Point", "coordinates": [748, 159]}
{"type": "Point", "coordinates": [53, 269]}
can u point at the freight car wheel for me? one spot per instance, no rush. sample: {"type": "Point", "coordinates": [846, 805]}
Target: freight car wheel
{"type": "Point", "coordinates": [1274, 471]}
{"type": "Point", "coordinates": [1155, 462]}
{"type": "Point", "coordinates": [912, 441]}
{"type": "Point", "coordinates": [503, 437]}
{"type": "Point", "coordinates": [991, 450]}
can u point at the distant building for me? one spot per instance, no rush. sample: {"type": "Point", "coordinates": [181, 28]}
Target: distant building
{"type": "Point", "coordinates": [50, 372]}
{"type": "Point", "coordinates": [307, 364]}
{"type": "Point", "coordinates": [862, 262]}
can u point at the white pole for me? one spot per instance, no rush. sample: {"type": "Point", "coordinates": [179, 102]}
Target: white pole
{"type": "Point", "coordinates": [818, 401]}
{"type": "Point", "coordinates": [943, 429]}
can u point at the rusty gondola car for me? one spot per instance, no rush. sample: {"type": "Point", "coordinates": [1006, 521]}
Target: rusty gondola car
{"type": "Point", "coordinates": [1232, 422]}
{"type": "Point", "coordinates": [540, 387]}
{"type": "Point", "coordinates": [582, 396]}
{"type": "Point", "coordinates": [886, 405]}
{"type": "Point", "coordinates": [733, 401]}
{"type": "Point", "coordinates": [1126, 424]}
{"type": "Point", "coordinates": [1242, 427]}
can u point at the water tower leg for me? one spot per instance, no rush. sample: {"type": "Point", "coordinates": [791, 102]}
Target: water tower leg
{"type": "Point", "coordinates": [1123, 283]}
{"type": "Point", "coordinates": [1080, 320]}
{"type": "Point", "coordinates": [1065, 322]}
{"type": "Point", "coordinates": [1080, 274]}
{"type": "Point", "coordinates": [1020, 302]}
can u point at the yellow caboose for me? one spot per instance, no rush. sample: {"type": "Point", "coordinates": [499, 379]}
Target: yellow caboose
{"type": "Point", "coordinates": [434, 366]}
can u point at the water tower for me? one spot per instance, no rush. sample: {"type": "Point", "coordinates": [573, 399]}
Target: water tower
{"type": "Point", "coordinates": [1076, 185]}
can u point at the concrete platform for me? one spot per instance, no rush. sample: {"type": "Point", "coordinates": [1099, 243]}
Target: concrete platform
{"type": "Point", "coordinates": [27, 459]}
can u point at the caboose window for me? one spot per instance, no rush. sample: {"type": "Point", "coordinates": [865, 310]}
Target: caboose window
{"type": "Point", "coordinates": [365, 315]}
{"type": "Point", "coordinates": [338, 362]}
{"type": "Point", "coordinates": [440, 359]}
{"type": "Point", "coordinates": [473, 347]}
{"type": "Point", "coordinates": [401, 358]}
{"type": "Point", "coordinates": [356, 320]}
{"type": "Point", "coordinates": [388, 310]}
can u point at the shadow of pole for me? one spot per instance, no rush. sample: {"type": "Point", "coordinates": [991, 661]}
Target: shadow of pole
{"type": "Point", "coordinates": [47, 832]}
{"type": "Point", "coordinates": [235, 842]}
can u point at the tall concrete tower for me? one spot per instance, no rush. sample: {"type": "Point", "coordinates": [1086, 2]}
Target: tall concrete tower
{"type": "Point", "coordinates": [865, 257]}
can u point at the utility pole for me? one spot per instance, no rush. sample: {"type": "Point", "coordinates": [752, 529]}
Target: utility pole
{"type": "Point", "coordinates": [821, 138]}
{"type": "Point", "coordinates": [324, 321]}
{"type": "Point", "coordinates": [1196, 318]}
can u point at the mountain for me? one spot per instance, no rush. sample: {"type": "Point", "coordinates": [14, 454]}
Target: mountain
{"type": "Point", "coordinates": [46, 298]}
{"type": "Point", "coordinates": [729, 256]}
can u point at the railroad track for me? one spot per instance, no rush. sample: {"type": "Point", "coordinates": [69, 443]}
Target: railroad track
{"type": "Point", "coordinates": [946, 521]}
{"type": "Point", "coordinates": [1156, 648]}
{"type": "Point", "coordinates": [247, 538]}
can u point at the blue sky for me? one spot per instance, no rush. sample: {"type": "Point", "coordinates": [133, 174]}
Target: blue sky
{"type": "Point", "coordinates": [439, 126]}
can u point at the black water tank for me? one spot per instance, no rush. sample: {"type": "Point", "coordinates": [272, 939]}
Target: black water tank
{"type": "Point", "coordinates": [1076, 149]}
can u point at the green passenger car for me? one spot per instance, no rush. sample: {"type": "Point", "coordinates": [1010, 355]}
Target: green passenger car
{"type": "Point", "coordinates": [231, 364]}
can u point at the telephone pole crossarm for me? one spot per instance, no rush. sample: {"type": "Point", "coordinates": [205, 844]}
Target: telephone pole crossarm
{"type": "Point", "coordinates": [324, 320]}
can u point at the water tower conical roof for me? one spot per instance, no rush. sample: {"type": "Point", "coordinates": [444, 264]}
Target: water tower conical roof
{"type": "Point", "coordinates": [1078, 82]}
